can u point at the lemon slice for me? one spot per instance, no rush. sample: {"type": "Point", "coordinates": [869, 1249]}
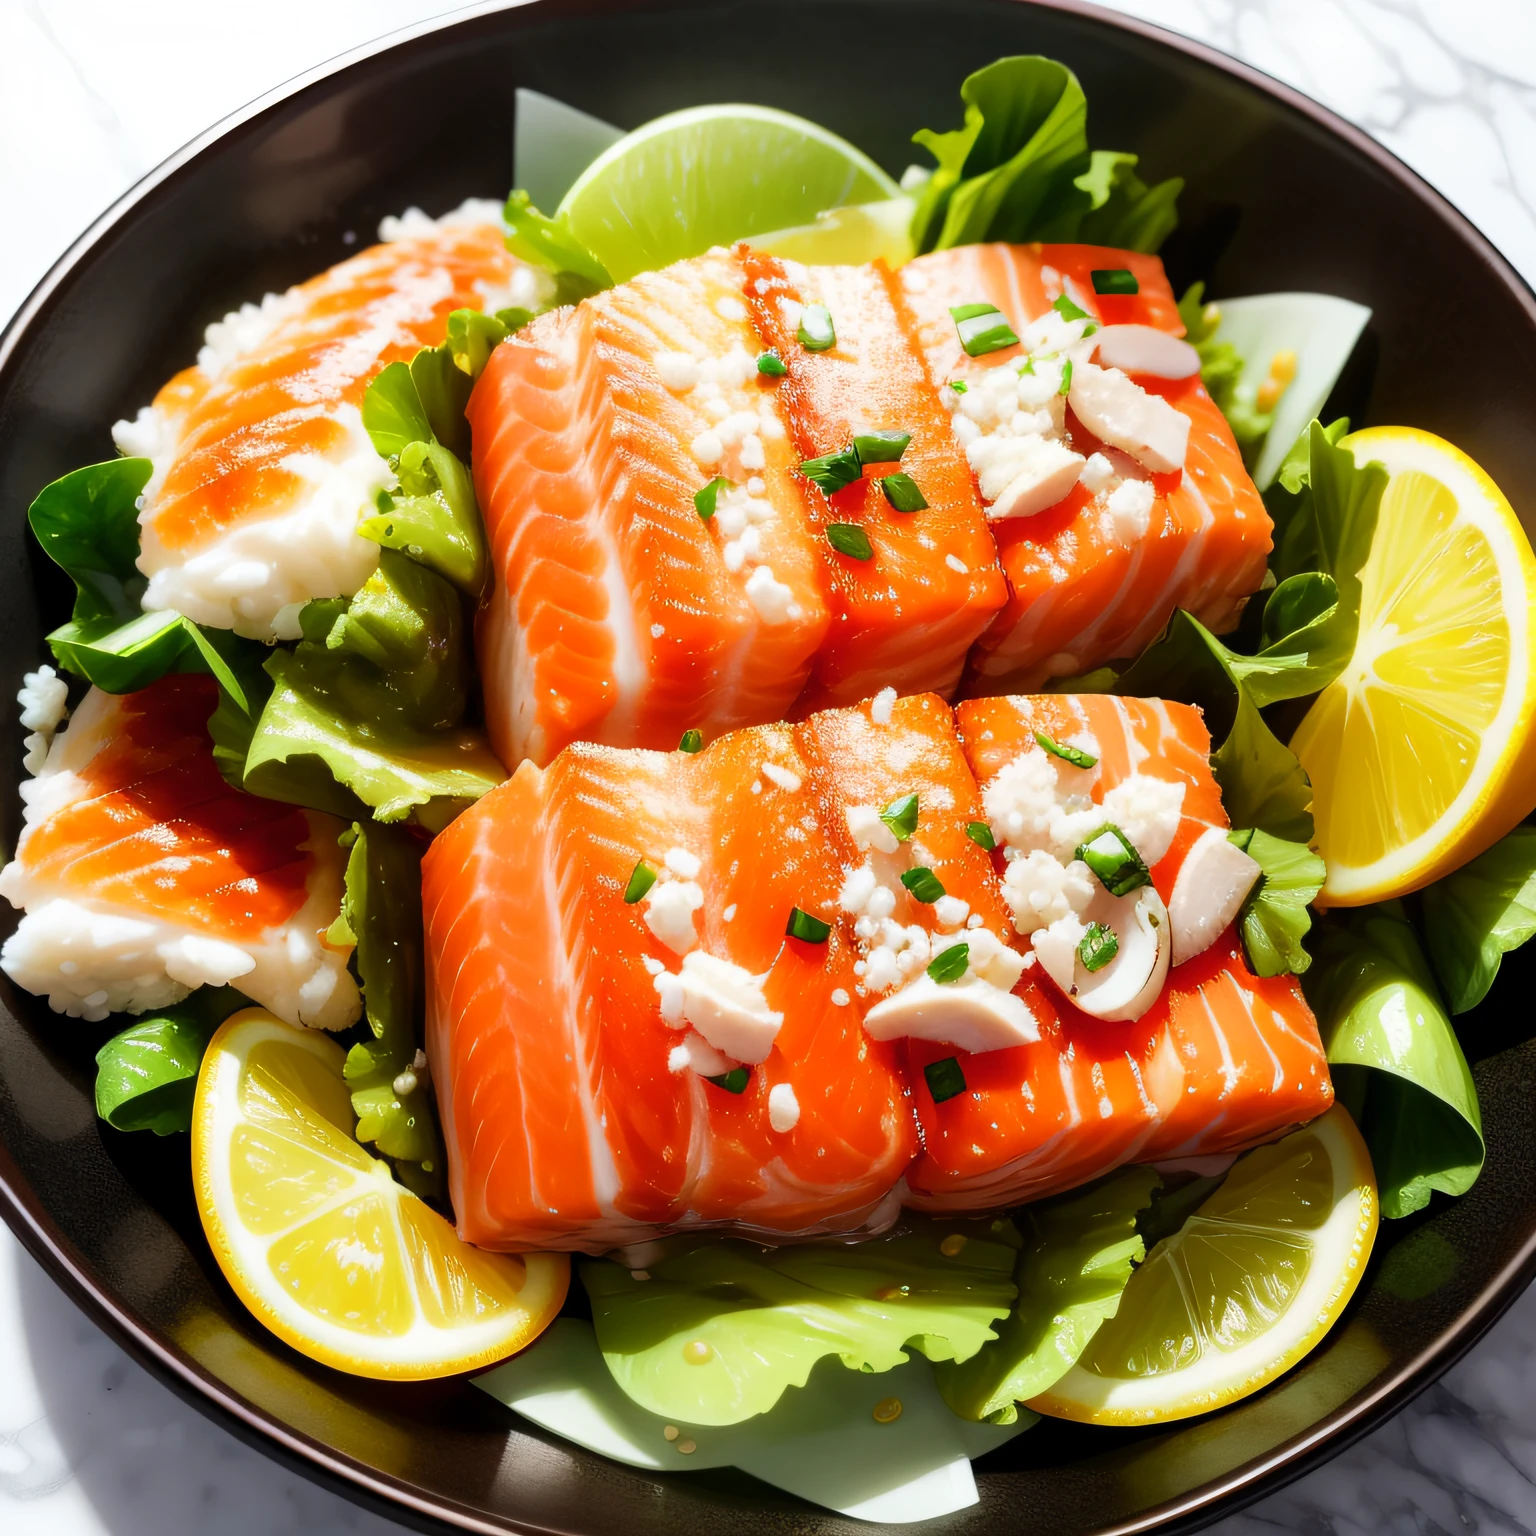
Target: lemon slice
{"type": "Point", "coordinates": [1241, 1292]}
{"type": "Point", "coordinates": [318, 1239]}
{"type": "Point", "coordinates": [706, 176]}
{"type": "Point", "coordinates": [1421, 754]}
{"type": "Point", "coordinates": [848, 237]}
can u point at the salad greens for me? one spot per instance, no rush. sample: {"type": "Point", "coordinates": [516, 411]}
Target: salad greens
{"type": "Point", "coordinates": [1476, 915]}
{"type": "Point", "coordinates": [755, 1321]}
{"type": "Point", "coordinates": [1076, 1256]}
{"type": "Point", "coordinates": [1395, 1060]}
{"type": "Point", "coordinates": [1274, 919]}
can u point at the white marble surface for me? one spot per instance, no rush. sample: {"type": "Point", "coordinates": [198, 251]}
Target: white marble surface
{"type": "Point", "coordinates": [92, 94]}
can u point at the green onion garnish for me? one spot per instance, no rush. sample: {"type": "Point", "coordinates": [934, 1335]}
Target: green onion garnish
{"type": "Point", "coordinates": [950, 964]}
{"type": "Point", "coordinates": [980, 834]}
{"type": "Point", "coordinates": [771, 363]}
{"type": "Point", "coordinates": [901, 817]}
{"type": "Point", "coordinates": [1097, 947]}
{"type": "Point", "coordinates": [641, 878]}
{"type": "Point", "coordinates": [693, 741]}
{"type": "Point", "coordinates": [1115, 280]}
{"type": "Point", "coordinates": [816, 331]}
{"type": "Point", "coordinates": [1074, 755]}
{"type": "Point", "coordinates": [734, 1081]}
{"type": "Point", "coordinates": [1109, 854]}
{"type": "Point", "coordinates": [705, 500]}
{"type": "Point", "coordinates": [1068, 310]}
{"type": "Point", "coordinates": [802, 925]}
{"type": "Point", "coordinates": [1066, 378]}
{"type": "Point", "coordinates": [959, 386]}
{"type": "Point", "coordinates": [923, 883]}
{"type": "Point", "coordinates": [901, 490]}
{"type": "Point", "coordinates": [982, 328]}
{"type": "Point", "coordinates": [945, 1079]}
{"type": "Point", "coordinates": [832, 471]}
{"type": "Point", "coordinates": [881, 447]}
{"type": "Point", "coordinates": [849, 539]}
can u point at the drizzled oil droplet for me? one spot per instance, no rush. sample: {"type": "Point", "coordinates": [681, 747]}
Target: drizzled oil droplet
{"type": "Point", "coordinates": [887, 1410]}
{"type": "Point", "coordinates": [698, 1352]}
{"type": "Point", "coordinates": [671, 1432]}
{"type": "Point", "coordinates": [686, 1447]}
{"type": "Point", "coordinates": [952, 1245]}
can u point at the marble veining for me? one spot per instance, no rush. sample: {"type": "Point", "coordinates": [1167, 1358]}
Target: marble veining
{"type": "Point", "coordinates": [95, 92]}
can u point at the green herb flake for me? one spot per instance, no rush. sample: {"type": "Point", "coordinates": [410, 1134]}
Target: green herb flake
{"type": "Point", "coordinates": [881, 447]}
{"type": "Point", "coordinates": [950, 964]}
{"type": "Point", "coordinates": [959, 386]}
{"type": "Point", "coordinates": [1068, 310]}
{"type": "Point", "coordinates": [641, 878]}
{"type": "Point", "coordinates": [851, 540]}
{"type": "Point", "coordinates": [1066, 378]}
{"type": "Point", "coordinates": [734, 1081]}
{"type": "Point", "coordinates": [901, 817]}
{"type": "Point", "coordinates": [980, 834]}
{"type": "Point", "coordinates": [1074, 755]}
{"type": "Point", "coordinates": [706, 500]}
{"type": "Point", "coordinates": [902, 492]}
{"type": "Point", "coordinates": [802, 925]}
{"type": "Point", "coordinates": [982, 328]}
{"type": "Point", "coordinates": [832, 471]}
{"type": "Point", "coordinates": [1115, 280]}
{"type": "Point", "coordinates": [816, 332]}
{"type": "Point", "coordinates": [1097, 947]}
{"type": "Point", "coordinates": [1110, 855]}
{"type": "Point", "coordinates": [693, 741]}
{"type": "Point", "coordinates": [772, 364]}
{"type": "Point", "coordinates": [945, 1079]}
{"type": "Point", "coordinates": [923, 884]}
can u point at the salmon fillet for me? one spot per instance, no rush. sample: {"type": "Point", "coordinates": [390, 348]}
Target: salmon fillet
{"type": "Point", "coordinates": [143, 874]}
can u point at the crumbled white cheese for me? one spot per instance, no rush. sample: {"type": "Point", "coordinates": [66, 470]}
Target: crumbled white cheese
{"type": "Point", "coordinates": [669, 909]}
{"type": "Point", "coordinates": [976, 1013]}
{"type": "Point", "coordinates": [657, 631]}
{"type": "Point", "coordinates": [881, 706]}
{"type": "Point", "coordinates": [1213, 882]}
{"type": "Point", "coordinates": [679, 371]}
{"type": "Point", "coordinates": [1130, 508]}
{"type": "Point", "coordinates": [1098, 474]}
{"type": "Point", "coordinates": [43, 698]}
{"type": "Point", "coordinates": [956, 564]}
{"type": "Point", "coordinates": [783, 1108]}
{"type": "Point", "coordinates": [1147, 810]}
{"type": "Point", "coordinates": [725, 1003]}
{"type": "Point", "coordinates": [729, 913]}
{"type": "Point", "coordinates": [730, 308]}
{"type": "Point", "coordinates": [858, 886]}
{"type": "Point", "coordinates": [781, 776]}
{"type": "Point", "coordinates": [840, 997]}
{"type": "Point", "coordinates": [707, 448]}
{"type": "Point", "coordinates": [696, 1054]}
{"type": "Point", "coordinates": [773, 599]}
{"type": "Point", "coordinates": [683, 863]}
{"type": "Point", "coordinates": [1118, 411]}
{"type": "Point", "coordinates": [951, 911]}
{"type": "Point", "coordinates": [1046, 471]}
{"type": "Point", "coordinates": [868, 831]}
{"type": "Point", "coordinates": [1041, 890]}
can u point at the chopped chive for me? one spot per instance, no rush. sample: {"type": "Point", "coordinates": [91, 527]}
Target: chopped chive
{"type": "Point", "coordinates": [945, 1079]}
{"type": "Point", "coordinates": [901, 817]}
{"type": "Point", "coordinates": [1068, 310]}
{"type": "Point", "coordinates": [923, 883]}
{"type": "Point", "coordinates": [693, 741]}
{"type": "Point", "coordinates": [641, 878]}
{"type": "Point", "coordinates": [816, 331]}
{"type": "Point", "coordinates": [1074, 755]}
{"type": "Point", "coordinates": [802, 925]}
{"type": "Point", "coordinates": [849, 539]}
{"type": "Point", "coordinates": [1109, 854]}
{"type": "Point", "coordinates": [1097, 947]}
{"type": "Point", "coordinates": [902, 491]}
{"type": "Point", "coordinates": [833, 471]}
{"type": "Point", "coordinates": [982, 328]}
{"type": "Point", "coordinates": [771, 363]}
{"type": "Point", "coordinates": [980, 834]}
{"type": "Point", "coordinates": [959, 386]}
{"type": "Point", "coordinates": [734, 1081]}
{"type": "Point", "coordinates": [1066, 378]}
{"type": "Point", "coordinates": [1114, 280]}
{"type": "Point", "coordinates": [881, 447]}
{"type": "Point", "coordinates": [705, 500]}
{"type": "Point", "coordinates": [950, 964]}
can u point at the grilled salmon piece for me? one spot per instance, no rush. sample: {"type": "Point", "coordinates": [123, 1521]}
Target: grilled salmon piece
{"type": "Point", "coordinates": [143, 874]}
{"type": "Point", "coordinates": [620, 614]}
{"type": "Point", "coordinates": [262, 468]}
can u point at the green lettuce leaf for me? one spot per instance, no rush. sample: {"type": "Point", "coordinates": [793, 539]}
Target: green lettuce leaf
{"type": "Point", "coordinates": [1020, 169]}
{"type": "Point", "coordinates": [1077, 1254]}
{"type": "Point", "coordinates": [1474, 917]}
{"type": "Point", "coordinates": [770, 1315]}
{"type": "Point", "coordinates": [147, 1075]}
{"type": "Point", "coordinates": [1395, 1060]}
{"type": "Point", "coordinates": [381, 916]}
{"type": "Point", "coordinates": [547, 243]}
{"type": "Point", "coordinates": [1275, 917]}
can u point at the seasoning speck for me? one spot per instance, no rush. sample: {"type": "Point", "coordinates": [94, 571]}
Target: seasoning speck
{"type": "Point", "coordinates": [952, 1244]}
{"type": "Point", "coordinates": [671, 1431]}
{"type": "Point", "coordinates": [686, 1447]}
{"type": "Point", "coordinates": [700, 1352]}
{"type": "Point", "coordinates": [887, 1410]}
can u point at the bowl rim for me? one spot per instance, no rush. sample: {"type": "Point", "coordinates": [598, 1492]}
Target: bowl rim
{"type": "Point", "coordinates": [27, 1217]}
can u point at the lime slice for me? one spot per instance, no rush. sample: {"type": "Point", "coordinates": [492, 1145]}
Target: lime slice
{"type": "Point", "coordinates": [1241, 1292]}
{"type": "Point", "coordinates": [706, 176]}
{"type": "Point", "coordinates": [848, 237]}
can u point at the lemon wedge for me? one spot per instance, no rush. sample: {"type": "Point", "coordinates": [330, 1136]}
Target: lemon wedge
{"type": "Point", "coordinates": [1241, 1292]}
{"type": "Point", "coordinates": [318, 1239]}
{"type": "Point", "coordinates": [1421, 754]}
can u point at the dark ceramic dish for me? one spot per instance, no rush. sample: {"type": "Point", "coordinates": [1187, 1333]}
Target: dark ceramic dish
{"type": "Point", "coordinates": [1280, 195]}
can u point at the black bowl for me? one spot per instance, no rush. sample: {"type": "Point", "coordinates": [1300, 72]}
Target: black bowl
{"type": "Point", "coordinates": [1281, 195]}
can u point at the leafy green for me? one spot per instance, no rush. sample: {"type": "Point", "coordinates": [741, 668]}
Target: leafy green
{"type": "Point", "coordinates": [1077, 1254]}
{"type": "Point", "coordinates": [547, 243]}
{"type": "Point", "coordinates": [381, 916]}
{"type": "Point", "coordinates": [1474, 917]}
{"type": "Point", "coordinates": [1221, 371]}
{"type": "Point", "coordinates": [769, 1315]}
{"type": "Point", "coordinates": [1395, 1060]}
{"type": "Point", "coordinates": [146, 1076]}
{"type": "Point", "coordinates": [1274, 919]}
{"type": "Point", "coordinates": [1020, 169]}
